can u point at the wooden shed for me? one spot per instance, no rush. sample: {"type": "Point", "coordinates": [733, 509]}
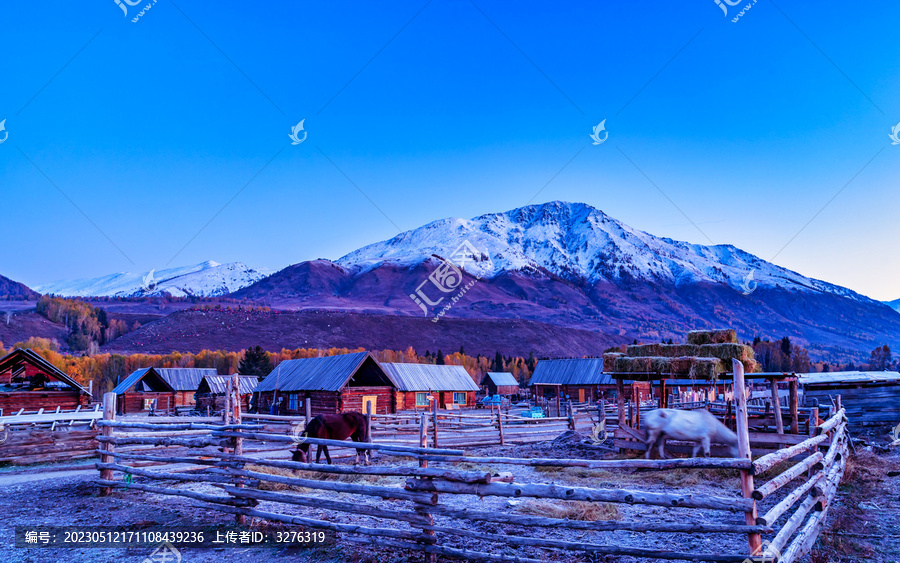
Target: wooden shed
{"type": "Point", "coordinates": [871, 398]}
{"type": "Point", "coordinates": [135, 393]}
{"type": "Point", "coordinates": [28, 381]}
{"type": "Point", "coordinates": [500, 383]}
{"type": "Point", "coordinates": [451, 386]}
{"type": "Point", "coordinates": [213, 388]}
{"type": "Point", "coordinates": [333, 384]}
{"type": "Point", "coordinates": [581, 379]}
{"type": "Point", "coordinates": [171, 387]}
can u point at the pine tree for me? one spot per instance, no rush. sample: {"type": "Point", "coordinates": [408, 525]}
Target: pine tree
{"type": "Point", "coordinates": [786, 346]}
{"type": "Point", "coordinates": [255, 362]}
{"type": "Point", "coordinates": [440, 358]}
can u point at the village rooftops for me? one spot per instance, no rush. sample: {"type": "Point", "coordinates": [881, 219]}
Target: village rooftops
{"type": "Point", "coordinates": [430, 377]}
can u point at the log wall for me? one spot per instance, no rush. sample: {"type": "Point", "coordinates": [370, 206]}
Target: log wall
{"type": "Point", "coordinates": [47, 400]}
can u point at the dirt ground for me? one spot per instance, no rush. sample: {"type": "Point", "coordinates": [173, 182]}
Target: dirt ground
{"type": "Point", "coordinates": [862, 525]}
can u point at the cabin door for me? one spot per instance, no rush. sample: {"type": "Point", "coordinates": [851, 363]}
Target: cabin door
{"type": "Point", "coordinates": [581, 395]}
{"type": "Point", "coordinates": [369, 400]}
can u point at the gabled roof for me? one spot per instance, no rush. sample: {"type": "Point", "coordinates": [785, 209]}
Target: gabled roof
{"type": "Point", "coordinates": [500, 378]}
{"type": "Point", "coordinates": [575, 371]}
{"type": "Point", "coordinates": [837, 377]}
{"type": "Point", "coordinates": [14, 359]}
{"type": "Point", "coordinates": [328, 373]}
{"type": "Point", "coordinates": [218, 384]}
{"type": "Point", "coordinates": [185, 379]}
{"type": "Point", "coordinates": [136, 376]}
{"type": "Point", "coordinates": [429, 377]}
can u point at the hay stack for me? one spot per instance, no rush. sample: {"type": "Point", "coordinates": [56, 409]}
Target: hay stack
{"type": "Point", "coordinates": [719, 336]}
{"type": "Point", "coordinates": [644, 350]}
{"type": "Point", "coordinates": [707, 368]}
{"type": "Point", "coordinates": [681, 365]}
{"type": "Point", "coordinates": [679, 350]}
{"type": "Point", "coordinates": [726, 351]}
{"type": "Point", "coordinates": [609, 361]}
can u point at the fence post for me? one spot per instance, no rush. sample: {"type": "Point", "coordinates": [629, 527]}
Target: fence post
{"type": "Point", "coordinates": [795, 404]}
{"type": "Point", "coordinates": [571, 417]}
{"type": "Point", "coordinates": [743, 432]}
{"type": "Point", "coordinates": [813, 421]}
{"type": "Point", "coordinates": [500, 425]}
{"type": "Point", "coordinates": [235, 397]}
{"type": "Point", "coordinates": [368, 421]}
{"type": "Point", "coordinates": [620, 401]}
{"type": "Point", "coordinates": [308, 403]}
{"type": "Point", "coordinates": [109, 414]}
{"type": "Point", "coordinates": [434, 420]}
{"type": "Point", "coordinates": [423, 436]}
{"type": "Point", "coordinates": [776, 407]}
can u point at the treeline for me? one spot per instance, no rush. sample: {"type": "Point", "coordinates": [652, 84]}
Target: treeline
{"type": "Point", "coordinates": [106, 370]}
{"type": "Point", "coordinates": [89, 326]}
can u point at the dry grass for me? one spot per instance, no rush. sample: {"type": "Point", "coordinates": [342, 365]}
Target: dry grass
{"type": "Point", "coordinates": [571, 510]}
{"type": "Point", "coordinates": [313, 475]}
{"type": "Point", "coordinates": [678, 477]}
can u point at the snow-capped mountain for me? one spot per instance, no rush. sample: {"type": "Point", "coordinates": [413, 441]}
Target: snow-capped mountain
{"type": "Point", "coordinates": [207, 279]}
{"type": "Point", "coordinates": [895, 304]}
{"type": "Point", "coordinates": [580, 243]}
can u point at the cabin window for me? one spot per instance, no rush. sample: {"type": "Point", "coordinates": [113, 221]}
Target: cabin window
{"type": "Point", "coordinates": [459, 398]}
{"type": "Point", "coordinates": [292, 401]}
{"type": "Point", "coordinates": [421, 399]}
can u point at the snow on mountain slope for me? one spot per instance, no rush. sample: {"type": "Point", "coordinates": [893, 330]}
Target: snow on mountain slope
{"type": "Point", "coordinates": [578, 242]}
{"type": "Point", "coordinates": [895, 304]}
{"type": "Point", "coordinates": [206, 279]}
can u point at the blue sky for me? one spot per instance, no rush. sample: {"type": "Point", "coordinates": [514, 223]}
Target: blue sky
{"type": "Point", "coordinates": [131, 145]}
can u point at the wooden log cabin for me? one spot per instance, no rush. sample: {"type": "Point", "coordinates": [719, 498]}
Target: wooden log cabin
{"type": "Point", "coordinates": [500, 383]}
{"type": "Point", "coordinates": [871, 398]}
{"type": "Point", "coordinates": [28, 381]}
{"type": "Point", "coordinates": [578, 379]}
{"type": "Point", "coordinates": [451, 386]}
{"type": "Point", "coordinates": [213, 389]}
{"type": "Point", "coordinates": [171, 387]}
{"type": "Point", "coordinates": [345, 382]}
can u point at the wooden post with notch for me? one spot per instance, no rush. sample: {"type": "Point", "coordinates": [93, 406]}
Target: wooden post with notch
{"type": "Point", "coordinates": [743, 432]}
{"type": "Point", "coordinates": [109, 414]}
{"type": "Point", "coordinates": [234, 394]}
{"type": "Point", "coordinates": [795, 405]}
{"type": "Point", "coordinates": [620, 401]}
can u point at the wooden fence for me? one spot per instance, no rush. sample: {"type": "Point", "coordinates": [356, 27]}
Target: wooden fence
{"type": "Point", "coordinates": [47, 436]}
{"type": "Point", "coordinates": [424, 514]}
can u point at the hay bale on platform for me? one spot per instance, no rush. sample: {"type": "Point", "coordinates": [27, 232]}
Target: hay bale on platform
{"type": "Point", "coordinates": [718, 336]}
{"type": "Point", "coordinates": [727, 351]}
{"type": "Point", "coordinates": [681, 365]}
{"type": "Point", "coordinates": [609, 361]}
{"type": "Point", "coordinates": [707, 368]}
{"type": "Point", "coordinates": [644, 350]}
{"type": "Point", "coordinates": [678, 350]}
{"type": "Point", "coordinates": [751, 366]}
{"type": "Point", "coordinates": [627, 364]}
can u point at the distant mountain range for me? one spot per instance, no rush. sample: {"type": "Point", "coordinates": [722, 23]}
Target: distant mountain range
{"type": "Point", "coordinates": [207, 279]}
{"type": "Point", "coordinates": [563, 264]}
{"type": "Point", "coordinates": [895, 304]}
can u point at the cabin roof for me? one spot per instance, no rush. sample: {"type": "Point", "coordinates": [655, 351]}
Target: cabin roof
{"type": "Point", "coordinates": [429, 377]}
{"type": "Point", "coordinates": [838, 377]}
{"type": "Point", "coordinates": [328, 373]}
{"type": "Point", "coordinates": [15, 359]}
{"type": "Point", "coordinates": [136, 376]}
{"type": "Point", "coordinates": [500, 378]}
{"type": "Point", "coordinates": [218, 384]}
{"type": "Point", "coordinates": [185, 379]}
{"type": "Point", "coordinates": [572, 371]}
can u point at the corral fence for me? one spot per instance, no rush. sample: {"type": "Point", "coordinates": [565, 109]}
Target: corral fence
{"type": "Point", "coordinates": [424, 512]}
{"type": "Point", "coordinates": [41, 436]}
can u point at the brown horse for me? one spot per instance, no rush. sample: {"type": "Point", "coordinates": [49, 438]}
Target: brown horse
{"type": "Point", "coordinates": [334, 427]}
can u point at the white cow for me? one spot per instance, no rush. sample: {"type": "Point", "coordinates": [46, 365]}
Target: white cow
{"type": "Point", "coordinates": [697, 426]}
